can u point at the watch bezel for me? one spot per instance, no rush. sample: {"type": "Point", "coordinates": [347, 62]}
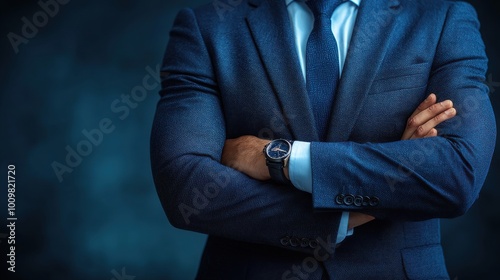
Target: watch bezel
{"type": "Point", "coordinates": [271, 144]}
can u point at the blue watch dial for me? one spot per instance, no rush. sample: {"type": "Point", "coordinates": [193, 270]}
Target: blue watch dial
{"type": "Point", "coordinates": [278, 149]}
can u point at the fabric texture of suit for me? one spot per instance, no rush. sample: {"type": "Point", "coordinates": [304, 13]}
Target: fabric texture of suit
{"type": "Point", "coordinates": [235, 72]}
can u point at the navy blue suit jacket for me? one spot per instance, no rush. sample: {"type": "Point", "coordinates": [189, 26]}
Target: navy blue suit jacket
{"type": "Point", "coordinates": [233, 70]}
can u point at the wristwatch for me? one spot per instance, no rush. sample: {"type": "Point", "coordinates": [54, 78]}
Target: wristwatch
{"type": "Point", "coordinates": [277, 153]}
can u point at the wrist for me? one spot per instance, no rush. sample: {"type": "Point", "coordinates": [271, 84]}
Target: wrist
{"type": "Point", "coordinates": [277, 154]}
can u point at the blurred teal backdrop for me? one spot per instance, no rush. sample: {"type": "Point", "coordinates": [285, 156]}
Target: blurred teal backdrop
{"type": "Point", "coordinates": [92, 65]}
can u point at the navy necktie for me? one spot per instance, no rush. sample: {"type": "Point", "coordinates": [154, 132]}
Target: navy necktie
{"type": "Point", "coordinates": [322, 62]}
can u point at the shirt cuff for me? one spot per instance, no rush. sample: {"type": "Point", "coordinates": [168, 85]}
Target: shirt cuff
{"type": "Point", "coordinates": [299, 166]}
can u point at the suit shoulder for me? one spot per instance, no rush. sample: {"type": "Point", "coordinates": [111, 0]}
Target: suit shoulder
{"type": "Point", "coordinates": [217, 21]}
{"type": "Point", "coordinates": [462, 7]}
{"type": "Point", "coordinates": [437, 8]}
{"type": "Point", "coordinates": [439, 5]}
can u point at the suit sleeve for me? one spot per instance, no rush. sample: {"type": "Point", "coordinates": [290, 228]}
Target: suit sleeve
{"type": "Point", "coordinates": [197, 192]}
{"type": "Point", "coordinates": [421, 179]}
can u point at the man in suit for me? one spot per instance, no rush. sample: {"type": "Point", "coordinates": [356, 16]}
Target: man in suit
{"type": "Point", "coordinates": [356, 185]}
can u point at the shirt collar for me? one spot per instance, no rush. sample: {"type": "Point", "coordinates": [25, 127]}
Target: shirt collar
{"type": "Point", "coordinates": [356, 2]}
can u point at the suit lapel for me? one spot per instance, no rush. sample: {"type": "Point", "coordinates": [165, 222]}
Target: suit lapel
{"type": "Point", "coordinates": [273, 35]}
{"type": "Point", "coordinates": [371, 35]}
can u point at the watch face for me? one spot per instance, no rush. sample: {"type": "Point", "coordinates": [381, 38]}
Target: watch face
{"type": "Point", "coordinates": [278, 149]}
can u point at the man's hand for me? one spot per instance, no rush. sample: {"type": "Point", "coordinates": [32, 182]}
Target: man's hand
{"type": "Point", "coordinates": [245, 154]}
{"type": "Point", "coordinates": [427, 116]}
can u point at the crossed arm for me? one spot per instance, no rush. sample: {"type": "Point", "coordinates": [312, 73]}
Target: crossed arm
{"type": "Point", "coordinates": [196, 190]}
{"type": "Point", "coordinates": [245, 153]}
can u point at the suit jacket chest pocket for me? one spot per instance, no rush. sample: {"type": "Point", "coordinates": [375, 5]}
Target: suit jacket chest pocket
{"type": "Point", "coordinates": [401, 79]}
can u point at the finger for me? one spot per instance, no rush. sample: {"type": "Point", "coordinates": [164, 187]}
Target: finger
{"type": "Point", "coordinates": [432, 133]}
{"type": "Point", "coordinates": [424, 116]}
{"type": "Point", "coordinates": [430, 100]}
{"type": "Point", "coordinates": [429, 113]}
{"type": "Point", "coordinates": [424, 129]}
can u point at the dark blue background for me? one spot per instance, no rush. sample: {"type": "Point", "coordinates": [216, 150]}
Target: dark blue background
{"type": "Point", "coordinates": [105, 216]}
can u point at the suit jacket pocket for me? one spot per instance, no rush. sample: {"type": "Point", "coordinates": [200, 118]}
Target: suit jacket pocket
{"type": "Point", "coordinates": [424, 262]}
{"type": "Point", "coordinates": [396, 79]}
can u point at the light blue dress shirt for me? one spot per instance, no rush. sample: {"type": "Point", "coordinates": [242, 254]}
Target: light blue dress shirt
{"type": "Point", "coordinates": [302, 20]}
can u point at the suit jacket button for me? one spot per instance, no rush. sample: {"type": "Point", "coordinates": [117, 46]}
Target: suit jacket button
{"type": "Point", "coordinates": [294, 241]}
{"type": "Point", "coordinates": [339, 199]}
{"type": "Point", "coordinates": [374, 201]}
{"type": "Point", "coordinates": [349, 199]}
{"type": "Point", "coordinates": [304, 242]}
{"type": "Point", "coordinates": [313, 243]}
{"type": "Point", "coordinates": [366, 201]}
{"type": "Point", "coordinates": [285, 240]}
{"type": "Point", "coordinates": [358, 200]}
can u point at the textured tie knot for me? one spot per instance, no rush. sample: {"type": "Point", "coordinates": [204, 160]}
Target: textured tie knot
{"type": "Point", "coordinates": [323, 7]}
